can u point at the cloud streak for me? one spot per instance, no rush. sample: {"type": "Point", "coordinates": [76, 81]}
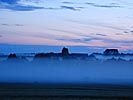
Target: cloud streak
{"type": "Point", "coordinates": [9, 1]}
{"type": "Point", "coordinates": [21, 8]}
{"type": "Point", "coordinates": [70, 8]}
{"type": "Point", "coordinates": [68, 32]}
{"type": "Point", "coordinates": [99, 34]}
{"type": "Point", "coordinates": [131, 31]}
{"type": "Point", "coordinates": [18, 25]}
{"type": "Point", "coordinates": [15, 6]}
{"type": "Point", "coordinates": [106, 40]}
{"type": "Point", "coordinates": [68, 2]}
{"type": "Point", "coordinates": [4, 24]}
{"type": "Point", "coordinates": [112, 5]}
{"type": "Point", "coordinates": [99, 24]}
{"type": "Point", "coordinates": [50, 8]}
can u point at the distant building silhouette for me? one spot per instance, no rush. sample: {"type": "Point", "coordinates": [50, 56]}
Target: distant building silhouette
{"type": "Point", "coordinates": [111, 52]}
{"type": "Point", "coordinates": [65, 51]}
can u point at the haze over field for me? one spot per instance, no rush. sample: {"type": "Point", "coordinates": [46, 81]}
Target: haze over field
{"type": "Point", "coordinates": [68, 68]}
{"type": "Point", "coordinates": [69, 71]}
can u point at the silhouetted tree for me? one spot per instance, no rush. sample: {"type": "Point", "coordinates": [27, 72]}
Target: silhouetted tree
{"type": "Point", "coordinates": [65, 51]}
{"type": "Point", "coordinates": [12, 56]}
{"type": "Point", "coordinates": [111, 52]}
{"type": "Point", "coordinates": [41, 55]}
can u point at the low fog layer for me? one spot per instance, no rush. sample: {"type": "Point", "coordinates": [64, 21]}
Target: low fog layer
{"type": "Point", "coordinates": [45, 70]}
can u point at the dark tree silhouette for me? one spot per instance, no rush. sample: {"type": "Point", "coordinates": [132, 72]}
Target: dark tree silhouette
{"type": "Point", "coordinates": [12, 56]}
{"type": "Point", "coordinates": [65, 51]}
{"type": "Point", "coordinates": [42, 55]}
{"type": "Point", "coordinates": [111, 52]}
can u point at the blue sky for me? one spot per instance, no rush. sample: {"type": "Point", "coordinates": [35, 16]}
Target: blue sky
{"type": "Point", "coordinates": [93, 23]}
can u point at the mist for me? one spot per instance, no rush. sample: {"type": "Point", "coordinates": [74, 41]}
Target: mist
{"type": "Point", "coordinates": [66, 71]}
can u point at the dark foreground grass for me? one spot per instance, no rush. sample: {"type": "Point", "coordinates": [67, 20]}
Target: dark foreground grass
{"type": "Point", "coordinates": [13, 91]}
{"type": "Point", "coordinates": [64, 98]}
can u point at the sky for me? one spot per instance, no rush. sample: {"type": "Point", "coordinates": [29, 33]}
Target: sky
{"type": "Point", "coordinates": [93, 23]}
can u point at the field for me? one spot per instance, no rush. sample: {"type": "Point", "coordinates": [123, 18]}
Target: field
{"type": "Point", "coordinates": [26, 91]}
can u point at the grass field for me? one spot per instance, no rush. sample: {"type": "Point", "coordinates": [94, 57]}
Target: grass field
{"type": "Point", "coordinates": [15, 91]}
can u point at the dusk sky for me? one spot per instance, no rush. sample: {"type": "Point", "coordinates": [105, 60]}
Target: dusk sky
{"type": "Point", "coordinates": [94, 23]}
